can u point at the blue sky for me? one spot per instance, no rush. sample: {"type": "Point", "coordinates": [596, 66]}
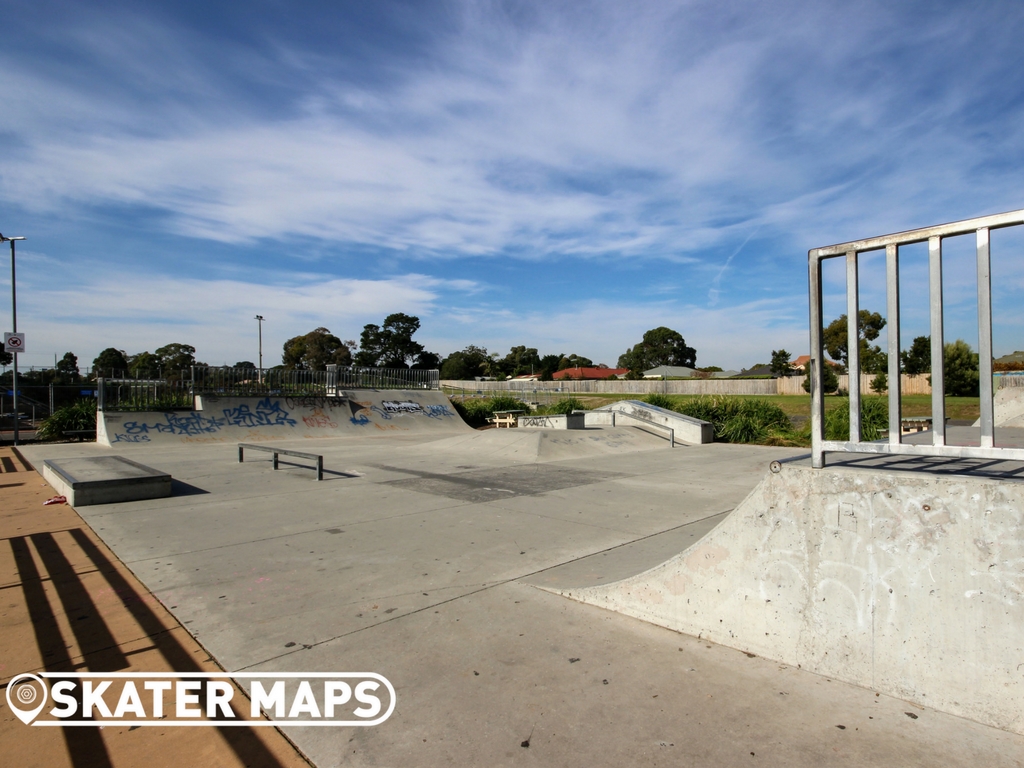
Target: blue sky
{"type": "Point", "coordinates": [561, 175]}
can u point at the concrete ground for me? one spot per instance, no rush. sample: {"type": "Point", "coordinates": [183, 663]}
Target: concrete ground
{"type": "Point", "coordinates": [419, 559]}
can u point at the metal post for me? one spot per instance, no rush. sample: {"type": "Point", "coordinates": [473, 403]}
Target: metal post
{"type": "Point", "coordinates": [259, 323]}
{"type": "Point", "coordinates": [853, 344]}
{"type": "Point", "coordinates": [985, 339]}
{"type": "Point", "coordinates": [938, 345]}
{"type": "Point", "coordinates": [892, 296]}
{"type": "Point", "coordinates": [14, 322]}
{"type": "Point", "coordinates": [814, 366]}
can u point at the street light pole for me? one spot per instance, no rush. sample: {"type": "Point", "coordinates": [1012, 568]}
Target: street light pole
{"type": "Point", "coordinates": [14, 322]}
{"type": "Point", "coordinates": [260, 324]}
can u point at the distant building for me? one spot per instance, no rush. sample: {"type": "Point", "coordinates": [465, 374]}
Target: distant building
{"type": "Point", "coordinates": [670, 372]}
{"type": "Point", "coordinates": [589, 373]}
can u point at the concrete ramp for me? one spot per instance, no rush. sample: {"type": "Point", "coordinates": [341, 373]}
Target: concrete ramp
{"type": "Point", "coordinates": [909, 584]}
{"type": "Point", "coordinates": [687, 429]}
{"type": "Point", "coordinates": [532, 445]}
{"type": "Point", "coordinates": [256, 419]}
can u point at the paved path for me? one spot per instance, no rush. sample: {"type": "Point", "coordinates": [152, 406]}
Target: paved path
{"type": "Point", "coordinates": [418, 559]}
{"type": "Point", "coordinates": [68, 604]}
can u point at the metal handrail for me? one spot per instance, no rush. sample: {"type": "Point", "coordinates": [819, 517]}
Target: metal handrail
{"type": "Point", "coordinates": [981, 227]}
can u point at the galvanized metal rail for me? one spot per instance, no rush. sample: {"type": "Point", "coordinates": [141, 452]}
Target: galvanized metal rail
{"type": "Point", "coordinates": [285, 452]}
{"type": "Point", "coordinates": [987, 449]}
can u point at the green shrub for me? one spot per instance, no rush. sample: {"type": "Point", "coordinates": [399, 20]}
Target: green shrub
{"type": "Point", "coordinates": [874, 417]}
{"type": "Point", "coordinates": [567, 405]}
{"type": "Point", "coordinates": [880, 383]}
{"type": "Point", "coordinates": [80, 414]}
{"type": "Point", "coordinates": [740, 420]}
{"type": "Point", "coordinates": [660, 401]}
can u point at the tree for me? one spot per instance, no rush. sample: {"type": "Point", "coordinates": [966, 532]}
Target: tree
{"type": "Point", "coordinates": [520, 361]}
{"type": "Point", "coordinates": [660, 346]}
{"type": "Point", "coordinates": [390, 345]}
{"type": "Point", "coordinates": [918, 359]}
{"type": "Point", "coordinates": [244, 364]}
{"type": "Point", "coordinates": [780, 363]}
{"type": "Point", "coordinates": [466, 364]}
{"type": "Point", "coordinates": [548, 366]}
{"type": "Point", "coordinates": [175, 358]}
{"type": "Point", "coordinates": [869, 325]}
{"type": "Point", "coordinates": [880, 383]}
{"type": "Point", "coordinates": [960, 369]}
{"type": "Point", "coordinates": [315, 350]}
{"type": "Point", "coordinates": [574, 361]}
{"type": "Point", "coordinates": [110, 362]}
{"type": "Point", "coordinates": [829, 380]}
{"type": "Point", "coordinates": [67, 369]}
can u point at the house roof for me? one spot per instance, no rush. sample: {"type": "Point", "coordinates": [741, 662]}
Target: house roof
{"type": "Point", "coordinates": [589, 373]}
{"type": "Point", "coordinates": [671, 370]}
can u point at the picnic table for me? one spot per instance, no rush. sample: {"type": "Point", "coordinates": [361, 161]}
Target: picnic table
{"type": "Point", "coordinates": [506, 419]}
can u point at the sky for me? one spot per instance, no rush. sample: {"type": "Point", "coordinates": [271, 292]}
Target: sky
{"type": "Point", "coordinates": [564, 175]}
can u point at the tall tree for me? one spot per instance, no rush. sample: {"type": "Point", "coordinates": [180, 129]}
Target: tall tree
{"type": "Point", "coordinates": [390, 345]}
{"type": "Point", "coordinates": [315, 350]}
{"type": "Point", "coordinates": [869, 325]}
{"type": "Point", "coordinates": [6, 358]}
{"type": "Point", "coordinates": [780, 366]}
{"type": "Point", "coordinates": [660, 346]}
{"type": "Point", "coordinates": [918, 359]}
{"type": "Point", "coordinates": [465, 364]}
{"type": "Point", "coordinates": [960, 369]}
{"type": "Point", "coordinates": [110, 362]}
{"type": "Point", "coordinates": [574, 361]}
{"type": "Point", "coordinates": [67, 369]}
{"type": "Point", "coordinates": [175, 358]}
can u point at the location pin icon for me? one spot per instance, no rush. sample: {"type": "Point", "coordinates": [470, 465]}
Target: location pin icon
{"type": "Point", "coordinates": [24, 691]}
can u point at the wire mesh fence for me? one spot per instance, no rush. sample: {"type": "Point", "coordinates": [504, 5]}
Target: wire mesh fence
{"type": "Point", "coordinates": [177, 391]}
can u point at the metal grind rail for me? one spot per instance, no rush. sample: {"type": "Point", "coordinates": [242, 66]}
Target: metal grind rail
{"type": "Point", "coordinates": [981, 227]}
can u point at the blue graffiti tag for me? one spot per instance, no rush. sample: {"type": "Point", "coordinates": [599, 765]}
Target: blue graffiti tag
{"type": "Point", "coordinates": [119, 438]}
{"type": "Point", "coordinates": [267, 414]}
{"type": "Point", "coordinates": [176, 424]}
{"type": "Point", "coordinates": [437, 411]}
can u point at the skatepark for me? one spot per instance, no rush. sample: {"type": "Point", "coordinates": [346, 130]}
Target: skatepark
{"type": "Point", "coordinates": [594, 596]}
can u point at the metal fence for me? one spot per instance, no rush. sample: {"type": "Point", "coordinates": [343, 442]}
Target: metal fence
{"type": "Point", "coordinates": [177, 391]}
{"type": "Point", "coordinates": [981, 228]}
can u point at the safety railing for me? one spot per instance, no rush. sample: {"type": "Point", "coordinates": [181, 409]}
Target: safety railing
{"type": "Point", "coordinates": [981, 228]}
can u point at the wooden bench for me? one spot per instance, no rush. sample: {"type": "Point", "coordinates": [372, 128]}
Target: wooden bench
{"type": "Point", "coordinates": [506, 419]}
{"type": "Point", "coordinates": [285, 452]}
{"type": "Point", "coordinates": [915, 424]}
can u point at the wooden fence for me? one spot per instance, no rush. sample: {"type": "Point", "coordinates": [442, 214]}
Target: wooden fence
{"type": "Point", "coordinates": [792, 385]}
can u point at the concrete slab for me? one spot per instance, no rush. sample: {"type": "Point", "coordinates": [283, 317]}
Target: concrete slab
{"type": "Point", "coordinates": [105, 480]}
{"type": "Point", "coordinates": [392, 569]}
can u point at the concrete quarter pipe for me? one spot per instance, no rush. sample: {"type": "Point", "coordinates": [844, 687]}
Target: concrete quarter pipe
{"type": "Point", "coordinates": [910, 584]}
{"type": "Point", "coordinates": [255, 419]}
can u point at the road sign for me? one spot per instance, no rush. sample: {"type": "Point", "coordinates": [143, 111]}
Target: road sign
{"type": "Point", "coordinates": [14, 342]}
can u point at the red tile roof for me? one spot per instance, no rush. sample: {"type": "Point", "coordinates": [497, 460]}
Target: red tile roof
{"type": "Point", "coordinates": [589, 373]}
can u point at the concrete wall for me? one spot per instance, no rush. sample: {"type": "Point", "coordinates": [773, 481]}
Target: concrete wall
{"type": "Point", "coordinates": [554, 421]}
{"type": "Point", "coordinates": [255, 419]}
{"type": "Point", "coordinates": [908, 584]}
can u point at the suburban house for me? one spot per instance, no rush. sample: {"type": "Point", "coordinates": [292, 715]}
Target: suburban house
{"type": "Point", "coordinates": [681, 372]}
{"type": "Point", "coordinates": [589, 373]}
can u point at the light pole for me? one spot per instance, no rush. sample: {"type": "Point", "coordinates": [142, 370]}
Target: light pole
{"type": "Point", "coordinates": [14, 321]}
{"type": "Point", "coordinates": [259, 318]}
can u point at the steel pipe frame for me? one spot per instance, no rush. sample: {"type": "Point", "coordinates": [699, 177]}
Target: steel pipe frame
{"type": "Point", "coordinates": [982, 227]}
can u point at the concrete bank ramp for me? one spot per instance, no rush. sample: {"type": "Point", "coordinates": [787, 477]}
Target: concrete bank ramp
{"type": "Point", "coordinates": [909, 584]}
{"type": "Point", "coordinates": [256, 419]}
{"type": "Point", "coordinates": [553, 444]}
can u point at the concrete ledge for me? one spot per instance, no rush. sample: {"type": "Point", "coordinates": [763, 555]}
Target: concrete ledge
{"type": "Point", "coordinates": [554, 421]}
{"type": "Point", "coordinates": [105, 480]}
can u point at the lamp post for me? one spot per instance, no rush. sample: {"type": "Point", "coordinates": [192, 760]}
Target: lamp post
{"type": "Point", "coordinates": [14, 322]}
{"type": "Point", "coordinates": [259, 318]}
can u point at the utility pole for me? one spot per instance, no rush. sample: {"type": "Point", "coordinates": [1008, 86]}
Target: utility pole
{"type": "Point", "coordinates": [14, 321]}
{"type": "Point", "coordinates": [259, 318]}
